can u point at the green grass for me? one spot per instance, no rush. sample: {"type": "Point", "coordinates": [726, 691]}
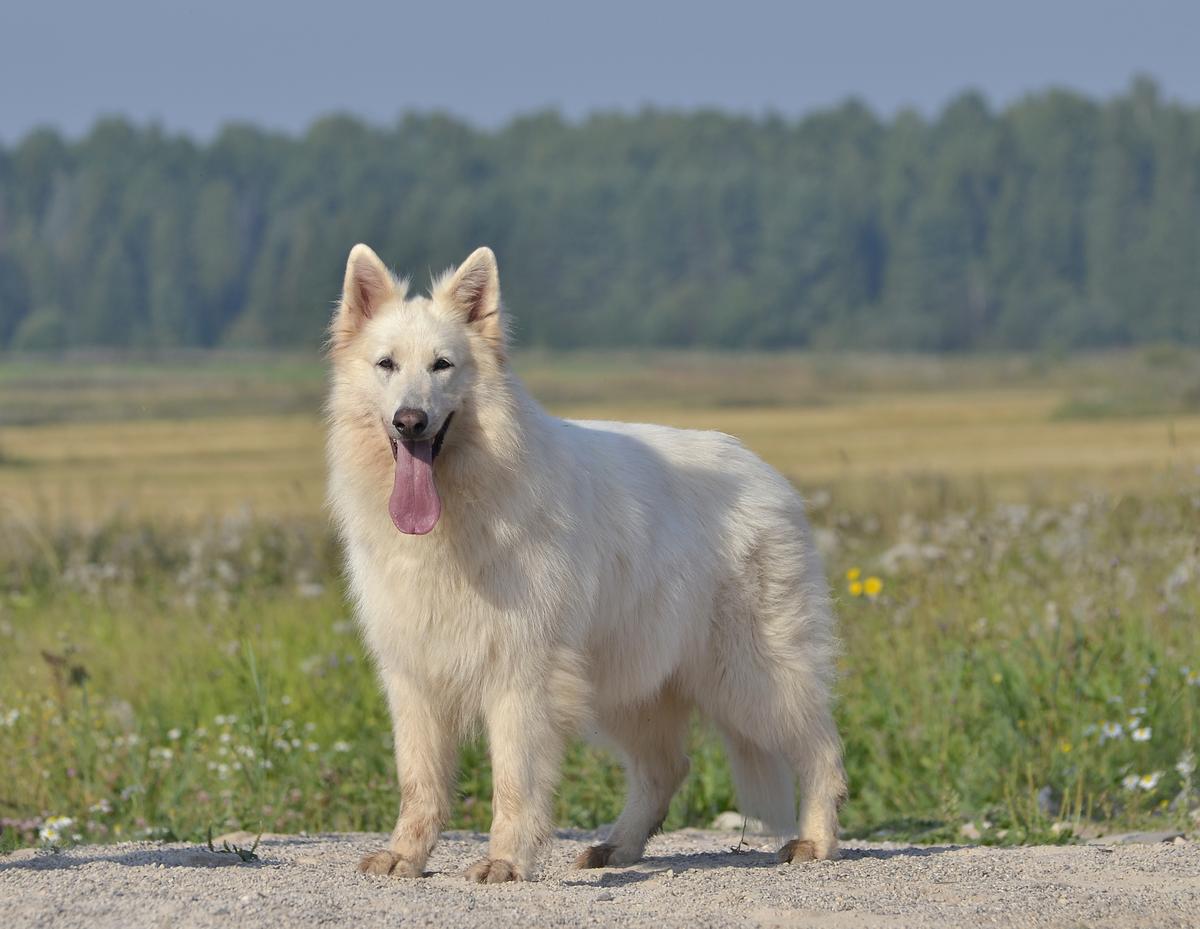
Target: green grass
{"type": "Point", "coordinates": [162, 681]}
{"type": "Point", "coordinates": [170, 665]}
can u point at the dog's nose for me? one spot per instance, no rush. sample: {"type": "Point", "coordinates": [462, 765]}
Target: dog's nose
{"type": "Point", "coordinates": [410, 423]}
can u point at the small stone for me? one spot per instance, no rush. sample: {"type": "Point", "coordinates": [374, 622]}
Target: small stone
{"type": "Point", "coordinates": [604, 898]}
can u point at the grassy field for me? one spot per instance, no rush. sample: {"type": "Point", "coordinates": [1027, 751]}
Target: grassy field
{"type": "Point", "coordinates": [1014, 543]}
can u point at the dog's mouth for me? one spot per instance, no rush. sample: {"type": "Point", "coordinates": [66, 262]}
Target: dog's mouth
{"type": "Point", "coordinates": [436, 441]}
{"type": "Point", "coordinates": [414, 505]}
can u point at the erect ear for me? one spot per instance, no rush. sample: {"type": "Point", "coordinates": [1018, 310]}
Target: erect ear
{"type": "Point", "coordinates": [473, 291]}
{"type": "Point", "coordinates": [368, 285]}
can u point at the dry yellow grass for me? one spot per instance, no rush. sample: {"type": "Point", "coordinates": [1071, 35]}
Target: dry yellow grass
{"type": "Point", "coordinates": [1004, 439]}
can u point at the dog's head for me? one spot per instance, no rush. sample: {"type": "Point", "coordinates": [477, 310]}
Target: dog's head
{"type": "Point", "coordinates": [408, 367]}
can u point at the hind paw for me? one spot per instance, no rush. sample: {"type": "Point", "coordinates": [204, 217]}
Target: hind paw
{"type": "Point", "coordinates": [799, 850]}
{"type": "Point", "coordinates": [385, 864]}
{"type": "Point", "coordinates": [597, 856]}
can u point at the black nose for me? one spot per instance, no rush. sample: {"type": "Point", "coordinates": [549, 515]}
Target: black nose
{"type": "Point", "coordinates": [410, 423]}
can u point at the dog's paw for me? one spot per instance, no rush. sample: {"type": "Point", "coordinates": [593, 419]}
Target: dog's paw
{"type": "Point", "coordinates": [385, 863]}
{"type": "Point", "coordinates": [597, 856]}
{"type": "Point", "coordinates": [493, 871]}
{"type": "Point", "coordinates": [799, 850]}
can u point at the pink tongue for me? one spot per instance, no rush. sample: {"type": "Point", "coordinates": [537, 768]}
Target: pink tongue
{"type": "Point", "coordinates": [414, 505]}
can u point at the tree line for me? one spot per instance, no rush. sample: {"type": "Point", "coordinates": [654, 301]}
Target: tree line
{"type": "Point", "coordinates": [1056, 222]}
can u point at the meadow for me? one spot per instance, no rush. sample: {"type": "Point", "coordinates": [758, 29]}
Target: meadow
{"type": "Point", "coordinates": [1014, 543]}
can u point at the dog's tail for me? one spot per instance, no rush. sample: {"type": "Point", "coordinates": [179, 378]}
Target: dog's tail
{"type": "Point", "coordinates": [766, 786]}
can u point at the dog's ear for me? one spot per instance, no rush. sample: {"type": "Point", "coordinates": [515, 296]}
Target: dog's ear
{"type": "Point", "coordinates": [368, 285]}
{"type": "Point", "coordinates": [473, 292]}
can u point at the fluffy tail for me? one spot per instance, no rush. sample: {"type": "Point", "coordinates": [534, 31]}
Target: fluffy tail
{"type": "Point", "coordinates": [766, 786]}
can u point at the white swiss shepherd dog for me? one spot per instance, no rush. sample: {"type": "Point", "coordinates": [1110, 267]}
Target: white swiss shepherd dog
{"type": "Point", "coordinates": [548, 577]}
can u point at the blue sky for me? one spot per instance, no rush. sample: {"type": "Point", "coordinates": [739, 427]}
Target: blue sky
{"type": "Point", "coordinates": [193, 66]}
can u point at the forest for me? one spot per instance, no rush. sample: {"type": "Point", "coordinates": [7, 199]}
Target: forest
{"type": "Point", "coordinates": [1058, 222]}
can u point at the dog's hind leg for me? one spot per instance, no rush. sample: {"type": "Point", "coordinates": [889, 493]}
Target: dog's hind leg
{"type": "Point", "coordinates": [651, 738]}
{"type": "Point", "coordinates": [817, 755]}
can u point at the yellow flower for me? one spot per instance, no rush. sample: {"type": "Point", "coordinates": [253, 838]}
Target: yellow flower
{"type": "Point", "coordinates": [1065, 747]}
{"type": "Point", "coordinates": [856, 588]}
{"type": "Point", "coordinates": [997, 677]}
{"type": "Point", "coordinates": [872, 586]}
{"type": "Point", "coordinates": [853, 574]}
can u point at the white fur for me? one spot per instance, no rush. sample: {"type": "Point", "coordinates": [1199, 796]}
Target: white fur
{"type": "Point", "coordinates": [584, 576]}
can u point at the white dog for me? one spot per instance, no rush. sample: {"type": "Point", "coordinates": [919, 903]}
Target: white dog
{"type": "Point", "coordinates": [546, 576]}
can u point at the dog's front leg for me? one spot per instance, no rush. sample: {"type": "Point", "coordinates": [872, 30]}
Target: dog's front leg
{"type": "Point", "coordinates": [426, 759]}
{"type": "Point", "coordinates": [526, 738]}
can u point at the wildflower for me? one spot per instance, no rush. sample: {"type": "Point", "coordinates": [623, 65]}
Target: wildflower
{"type": "Point", "coordinates": [1130, 781]}
{"type": "Point", "coordinates": [1149, 781]}
{"type": "Point", "coordinates": [997, 677]}
{"type": "Point", "coordinates": [1065, 747]}
{"type": "Point", "coordinates": [1137, 711]}
{"type": "Point", "coordinates": [853, 574]}
{"type": "Point", "coordinates": [856, 588]}
{"type": "Point", "coordinates": [1141, 734]}
{"type": "Point", "coordinates": [341, 746]}
{"type": "Point", "coordinates": [10, 718]}
{"type": "Point", "coordinates": [102, 807]}
{"type": "Point", "coordinates": [1186, 766]}
{"type": "Point", "coordinates": [174, 734]}
{"type": "Point", "coordinates": [53, 827]}
{"type": "Point", "coordinates": [872, 586]}
{"type": "Point", "coordinates": [285, 700]}
{"type": "Point", "coordinates": [313, 747]}
{"type": "Point", "coordinates": [1111, 731]}
{"type": "Point", "coordinates": [1192, 678]}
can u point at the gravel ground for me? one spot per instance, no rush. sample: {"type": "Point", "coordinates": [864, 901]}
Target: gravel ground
{"type": "Point", "coordinates": [690, 879]}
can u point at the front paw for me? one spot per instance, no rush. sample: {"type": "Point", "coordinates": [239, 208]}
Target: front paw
{"type": "Point", "coordinates": [493, 871]}
{"type": "Point", "coordinates": [385, 863]}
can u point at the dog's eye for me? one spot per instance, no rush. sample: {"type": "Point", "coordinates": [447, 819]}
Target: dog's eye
{"type": "Point", "coordinates": [441, 365]}
{"type": "Point", "coordinates": [386, 363]}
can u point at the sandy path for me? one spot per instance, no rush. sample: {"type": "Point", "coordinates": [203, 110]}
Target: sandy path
{"type": "Point", "coordinates": [691, 880]}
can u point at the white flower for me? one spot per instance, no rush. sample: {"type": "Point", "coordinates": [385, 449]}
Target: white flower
{"type": "Point", "coordinates": [1133, 722]}
{"type": "Point", "coordinates": [174, 734]}
{"type": "Point", "coordinates": [1138, 711]}
{"type": "Point", "coordinates": [1149, 781]}
{"type": "Point", "coordinates": [313, 747]}
{"type": "Point", "coordinates": [10, 718]}
{"type": "Point", "coordinates": [341, 746]}
{"type": "Point", "coordinates": [1130, 781]}
{"type": "Point", "coordinates": [1141, 734]}
{"type": "Point", "coordinates": [52, 829]}
{"type": "Point", "coordinates": [1111, 731]}
{"type": "Point", "coordinates": [1186, 766]}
